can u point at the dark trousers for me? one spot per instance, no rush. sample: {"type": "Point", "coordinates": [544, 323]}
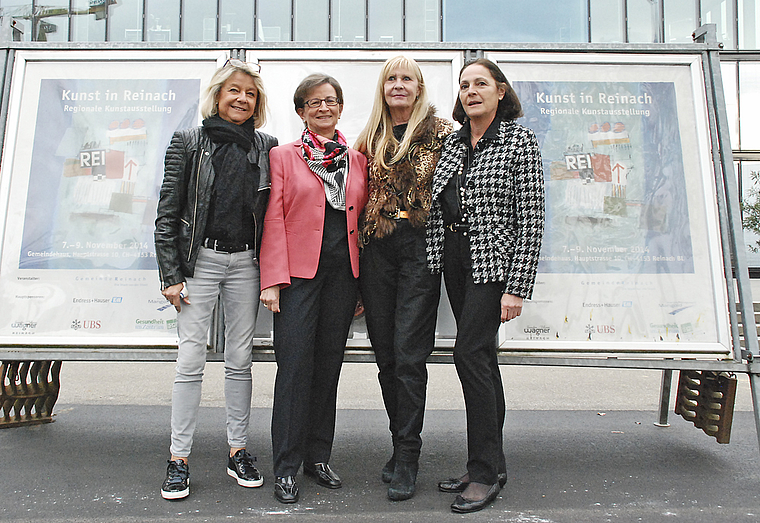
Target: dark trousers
{"type": "Point", "coordinates": [477, 309]}
{"type": "Point", "coordinates": [401, 302]}
{"type": "Point", "coordinates": [309, 340]}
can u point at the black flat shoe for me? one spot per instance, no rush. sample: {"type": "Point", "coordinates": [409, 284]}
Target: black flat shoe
{"type": "Point", "coordinates": [324, 475]}
{"type": "Point", "coordinates": [286, 489]}
{"type": "Point", "coordinates": [456, 485]}
{"type": "Point", "coordinates": [465, 506]}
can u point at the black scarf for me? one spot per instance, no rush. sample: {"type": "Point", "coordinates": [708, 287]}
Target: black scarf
{"type": "Point", "coordinates": [237, 178]}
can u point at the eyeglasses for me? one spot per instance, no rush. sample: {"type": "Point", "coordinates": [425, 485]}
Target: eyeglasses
{"type": "Point", "coordinates": [234, 62]}
{"type": "Point", "coordinates": [330, 101]}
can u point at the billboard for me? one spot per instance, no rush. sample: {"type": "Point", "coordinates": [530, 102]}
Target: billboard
{"type": "Point", "coordinates": [631, 259]}
{"type": "Point", "coordinates": [82, 166]}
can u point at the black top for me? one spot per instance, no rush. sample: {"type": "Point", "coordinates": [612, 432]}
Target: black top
{"type": "Point", "coordinates": [334, 252]}
{"type": "Point", "coordinates": [451, 202]}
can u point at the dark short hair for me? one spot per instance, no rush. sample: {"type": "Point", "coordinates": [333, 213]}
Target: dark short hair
{"type": "Point", "coordinates": [509, 106]}
{"type": "Point", "coordinates": [312, 81]}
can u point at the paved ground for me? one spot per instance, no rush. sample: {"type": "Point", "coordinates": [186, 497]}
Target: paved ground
{"type": "Point", "coordinates": [581, 447]}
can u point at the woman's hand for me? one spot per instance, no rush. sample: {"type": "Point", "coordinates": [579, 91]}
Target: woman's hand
{"type": "Point", "coordinates": [176, 294]}
{"type": "Point", "coordinates": [511, 307]}
{"type": "Point", "coordinates": [271, 298]}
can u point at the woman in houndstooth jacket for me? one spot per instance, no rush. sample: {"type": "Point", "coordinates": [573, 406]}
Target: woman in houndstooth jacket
{"type": "Point", "coordinates": [484, 232]}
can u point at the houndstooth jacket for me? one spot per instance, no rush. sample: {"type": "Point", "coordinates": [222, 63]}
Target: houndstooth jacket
{"type": "Point", "coordinates": [504, 197]}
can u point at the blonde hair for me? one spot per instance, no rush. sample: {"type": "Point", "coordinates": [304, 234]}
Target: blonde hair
{"type": "Point", "coordinates": [209, 101]}
{"type": "Point", "coordinates": [377, 138]}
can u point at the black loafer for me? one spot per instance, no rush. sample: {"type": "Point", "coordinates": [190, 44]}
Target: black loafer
{"type": "Point", "coordinates": [456, 485]}
{"type": "Point", "coordinates": [324, 475]}
{"type": "Point", "coordinates": [464, 506]}
{"type": "Point", "coordinates": [286, 489]}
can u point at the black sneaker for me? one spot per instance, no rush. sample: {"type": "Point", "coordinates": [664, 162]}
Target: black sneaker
{"type": "Point", "coordinates": [240, 466]}
{"type": "Point", "coordinates": [177, 482]}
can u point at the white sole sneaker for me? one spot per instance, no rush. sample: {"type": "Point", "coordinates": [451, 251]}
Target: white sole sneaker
{"type": "Point", "coordinates": [245, 482]}
{"type": "Point", "coordinates": [178, 494]}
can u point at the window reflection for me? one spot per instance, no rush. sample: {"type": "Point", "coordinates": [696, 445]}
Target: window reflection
{"type": "Point", "coordinates": [310, 19]}
{"type": "Point", "coordinates": [17, 25]}
{"type": "Point", "coordinates": [236, 21]}
{"type": "Point", "coordinates": [720, 13]}
{"type": "Point", "coordinates": [749, 24]}
{"type": "Point", "coordinates": [749, 105]}
{"type": "Point", "coordinates": [680, 20]}
{"type": "Point", "coordinates": [643, 21]}
{"type": "Point", "coordinates": [607, 21]}
{"type": "Point", "coordinates": [515, 21]}
{"type": "Point", "coordinates": [385, 20]}
{"type": "Point", "coordinates": [125, 21]}
{"type": "Point", "coordinates": [423, 21]}
{"type": "Point", "coordinates": [88, 24]}
{"type": "Point", "coordinates": [273, 21]}
{"type": "Point", "coordinates": [198, 21]}
{"type": "Point", "coordinates": [348, 24]}
{"type": "Point", "coordinates": [162, 20]}
{"type": "Point", "coordinates": [749, 177]}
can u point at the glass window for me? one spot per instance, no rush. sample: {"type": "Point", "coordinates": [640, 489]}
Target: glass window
{"type": "Point", "coordinates": [643, 21]}
{"type": "Point", "coordinates": [515, 21]}
{"type": "Point", "coordinates": [423, 21]}
{"type": "Point", "coordinates": [162, 20]}
{"type": "Point", "coordinates": [720, 13]}
{"type": "Point", "coordinates": [273, 21]}
{"type": "Point", "coordinates": [728, 72]}
{"type": "Point", "coordinates": [749, 105]}
{"type": "Point", "coordinates": [198, 21]}
{"type": "Point", "coordinates": [52, 22]}
{"type": "Point", "coordinates": [385, 20]}
{"type": "Point", "coordinates": [680, 20]}
{"type": "Point", "coordinates": [749, 176]}
{"type": "Point", "coordinates": [310, 20]}
{"type": "Point", "coordinates": [236, 21]}
{"type": "Point", "coordinates": [18, 27]}
{"type": "Point", "coordinates": [749, 24]}
{"type": "Point", "coordinates": [348, 21]}
{"type": "Point", "coordinates": [88, 21]}
{"type": "Point", "coordinates": [607, 21]}
{"type": "Point", "coordinates": [125, 20]}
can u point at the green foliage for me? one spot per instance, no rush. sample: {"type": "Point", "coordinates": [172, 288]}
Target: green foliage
{"type": "Point", "coordinates": [751, 210]}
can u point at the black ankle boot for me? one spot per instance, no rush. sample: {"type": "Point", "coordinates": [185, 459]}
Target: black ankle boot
{"type": "Point", "coordinates": [402, 482]}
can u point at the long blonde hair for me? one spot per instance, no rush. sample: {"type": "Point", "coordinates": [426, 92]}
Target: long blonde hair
{"type": "Point", "coordinates": [377, 138]}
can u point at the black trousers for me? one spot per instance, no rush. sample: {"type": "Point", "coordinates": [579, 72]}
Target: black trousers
{"type": "Point", "coordinates": [309, 339]}
{"type": "Point", "coordinates": [477, 310]}
{"type": "Point", "coordinates": [401, 302]}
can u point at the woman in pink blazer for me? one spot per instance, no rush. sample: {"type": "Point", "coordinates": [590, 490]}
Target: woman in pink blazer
{"type": "Point", "coordinates": [309, 268]}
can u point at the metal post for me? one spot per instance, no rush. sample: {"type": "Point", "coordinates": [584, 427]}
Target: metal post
{"type": "Point", "coordinates": [667, 379]}
{"type": "Point", "coordinates": [725, 169]}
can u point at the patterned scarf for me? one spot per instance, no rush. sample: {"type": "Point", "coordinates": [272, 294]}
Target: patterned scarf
{"type": "Point", "coordinates": [331, 165]}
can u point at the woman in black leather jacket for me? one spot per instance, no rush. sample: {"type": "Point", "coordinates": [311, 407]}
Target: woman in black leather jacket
{"type": "Point", "coordinates": [208, 229]}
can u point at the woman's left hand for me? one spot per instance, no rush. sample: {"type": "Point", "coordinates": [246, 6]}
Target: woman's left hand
{"type": "Point", "coordinates": [511, 307]}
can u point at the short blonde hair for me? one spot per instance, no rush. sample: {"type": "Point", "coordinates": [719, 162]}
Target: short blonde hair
{"type": "Point", "coordinates": [377, 138]}
{"type": "Point", "coordinates": [209, 105]}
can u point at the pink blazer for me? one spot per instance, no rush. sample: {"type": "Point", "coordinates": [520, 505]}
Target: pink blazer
{"type": "Point", "coordinates": [295, 216]}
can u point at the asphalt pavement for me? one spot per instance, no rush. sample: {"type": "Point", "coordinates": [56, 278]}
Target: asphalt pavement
{"type": "Point", "coordinates": [581, 446]}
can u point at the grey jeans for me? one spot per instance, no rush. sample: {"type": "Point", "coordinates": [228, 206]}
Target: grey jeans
{"type": "Point", "coordinates": [236, 278]}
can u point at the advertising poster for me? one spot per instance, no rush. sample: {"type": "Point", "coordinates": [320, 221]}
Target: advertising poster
{"type": "Point", "coordinates": [631, 253]}
{"type": "Point", "coordinates": [78, 260]}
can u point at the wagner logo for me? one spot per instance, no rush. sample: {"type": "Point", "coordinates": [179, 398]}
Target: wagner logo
{"type": "Point", "coordinates": [85, 324]}
{"type": "Point", "coordinates": [23, 327]}
{"type": "Point", "coordinates": [537, 333]}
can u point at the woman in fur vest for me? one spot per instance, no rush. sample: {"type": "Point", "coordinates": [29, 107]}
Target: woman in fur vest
{"type": "Point", "coordinates": [402, 142]}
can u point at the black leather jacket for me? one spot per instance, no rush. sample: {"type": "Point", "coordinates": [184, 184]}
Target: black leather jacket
{"type": "Point", "coordinates": [184, 200]}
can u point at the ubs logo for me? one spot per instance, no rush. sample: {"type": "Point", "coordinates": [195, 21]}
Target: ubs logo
{"type": "Point", "coordinates": [85, 324]}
